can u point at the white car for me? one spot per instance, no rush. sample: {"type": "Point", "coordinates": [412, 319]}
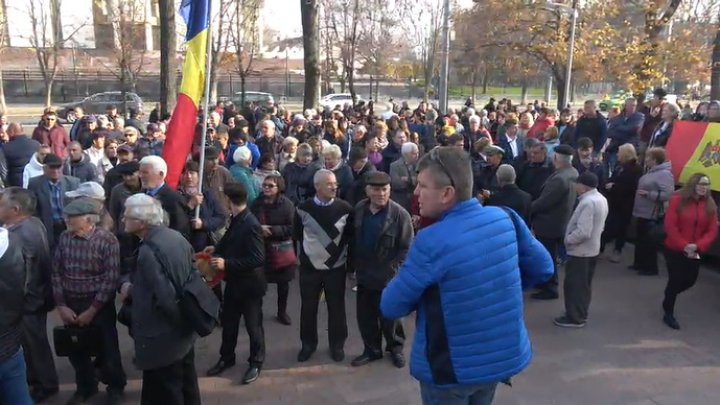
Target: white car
{"type": "Point", "coordinates": [331, 100]}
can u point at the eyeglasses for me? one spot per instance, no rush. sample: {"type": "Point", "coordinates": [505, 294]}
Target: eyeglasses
{"type": "Point", "coordinates": [271, 186]}
{"type": "Point", "coordinates": [704, 184]}
{"type": "Point", "coordinates": [435, 157]}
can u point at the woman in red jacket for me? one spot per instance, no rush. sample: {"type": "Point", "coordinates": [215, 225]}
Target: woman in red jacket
{"type": "Point", "coordinates": [691, 223]}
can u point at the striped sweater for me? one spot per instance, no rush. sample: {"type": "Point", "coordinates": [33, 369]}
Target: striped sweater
{"type": "Point", "coordinates": [323, 233]}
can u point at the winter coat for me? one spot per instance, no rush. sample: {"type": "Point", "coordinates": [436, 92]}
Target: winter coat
{"type": "Point", "coordinates": [243, 249]}
{"type": "Point", "coordinates": [595, 128]}
{"type": "Point", "coordinates": [623, 129]}
{"type": "Point", "coordinates": [469, 304]}
{"type": "Point", "coordinates": [299, 181]}
{"type": "Point", "coordinates": [32, 169]}
{"type": "Point", "coordinates": [660, 184]}
{"type": "Point", "coordinates": [552, 209]}
{"type": "Point", "coordinates": [356, 192]}
{"type": "Point", "coordinates": [390, 154]}
{"type": "Point", "coordinates": [401, 191]}
{"type": "Point", "coordinates": [55, 137]}
{"type": "Point", "coordinates": [279, 215]}
{"type": "Point", "coordinates": [344, 177]}
{"type": "Point", "coordinates": [83, 169]}
{"type": "Point", "coordinates": [582, 236]}
{"type": "Point", "coordinates": [213, 216]}
{"type": "Point", "coordinates": [532, 176]}
{"type": "Point", "coordinates": [12, 293]}
{"type": "Point", "coordinates": [18, 152]}
{"type": "Point", "coordinates": [659, 135]}
{"type": "Point", "coordinates": [621, 196]}
{"type": "Point", "coordinates": [689, 224]}
{"type": "Point", "coordinates": [539, 127]}
{"type": "Point", "coordinates": [244, 176]}
{"type": "Point", "coordinates": [511, 196]}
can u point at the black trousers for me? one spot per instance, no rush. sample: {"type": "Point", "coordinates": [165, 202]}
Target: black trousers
{"type": "Point", "coordinates": [645, 247]}
{"type": "Point", "coordinates": [312, 284]}
{"type": "Point", "coordinates": [175, 384]}
{"type": "Point", "coordinates": [235, 306]}
{"type": "Point", "coordinates": [577, 288]}
{"type": "Point", "coordinates": [551, 245]}
{"type": "Point", "coordinates": [373, 326]}
{"type": "Point", "coordinates": [41, 372]}
{"type": "Point", "coordinates": [111, 367]}
{"type": "Point", "coordinates": [682, 274]}
{"type": "Point", "coordinates": [283, 291]}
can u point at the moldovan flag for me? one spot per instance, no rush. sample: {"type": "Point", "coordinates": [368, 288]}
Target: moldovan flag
{"type": "Point", "coordinates": [181, 130]}
{"type": "Point", "coordinates": [694, 147]}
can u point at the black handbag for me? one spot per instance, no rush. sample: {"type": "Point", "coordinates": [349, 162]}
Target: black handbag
{"type": "Point", "coordinates": [71, 339]}
{"type": "Point", "coordinates": [198, 304]}
{"type": "Point", "coordinates": [657, 231]}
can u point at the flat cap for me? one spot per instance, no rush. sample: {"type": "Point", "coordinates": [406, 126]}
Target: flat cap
{"type": "Point", "coordinates": [125, 149]}
{"type": "Point", "coordinates": [377, 178]}
{"type": "Point", "coordinates": [52, 160]}
{"type": "Point", "coordinates": [494, 150]}
{"type": "Point", "coordinates": [88, 189]}
{"type": "Point", "coordinates": [565, 150]}
{"type": "Point", "coordinates": [127, 168]}
{"type": "Point", "coordinates": [81, 206]}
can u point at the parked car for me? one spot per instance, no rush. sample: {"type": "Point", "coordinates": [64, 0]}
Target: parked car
{"type": "Point", "coordinates": [97, 104]}
{"type": "Point", "coordinates": [257, 97]}
{"type": "Point", "coordinates": [332, 100]}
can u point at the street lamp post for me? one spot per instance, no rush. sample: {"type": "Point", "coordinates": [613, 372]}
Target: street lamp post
{"type": "Point", "coordinates": [571, 52]}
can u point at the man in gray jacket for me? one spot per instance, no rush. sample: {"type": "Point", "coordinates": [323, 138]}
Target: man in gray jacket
{"type": "Point", "coordinates": [551, 212]}
{"type": "Point", "coordinates": [164, 344]}
{"type": "Point", "coordinates": [382, 236]}
{"type": "Point", "coordinates": [16, 208]}
{"type": "Point", "coordinates": [582, 241]}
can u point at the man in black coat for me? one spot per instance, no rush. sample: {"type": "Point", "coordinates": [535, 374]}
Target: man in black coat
{"type": "Point", "coordinates": [152, 176]}
{"type": "Point", "coordinates": [509, 194]}
{"type": "Point", "coordinates": [592, 125]}
{"type": "Point", "coordinates": [361, 167]}
{"type": "Point", "coordinates": [532, 175]}
{"type": "Point", "coordinates": [241, 254]}
{"type": "Point", "coordinates": [18, 152]}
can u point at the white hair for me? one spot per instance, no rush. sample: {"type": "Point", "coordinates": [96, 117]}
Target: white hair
{"type": "Point", "coordinates": [215, 115]}
{"type": "Point", "coordinates": [158, 164]}
{"type": "Point", "coordinates": [333, 151]}
{"type": "Point", "coordinates": [269, 123]}
{"type": "Point", "coordinates": [242, 154]}
{"type": "Point", "coordinates": [474, 118]}
{"type": "Point", "coordinates": [145, 209]}
{"type": "Point", "coordinates": [470, 112]}
{"type": "Point", "coordinates": [361, 128]}
{"type": "Point", "coordinates": [409, 147]}
{"type": "Point", "coordinates": [321, 174]}
{"type": "Point", "coordinates": [290, 140]}
{"type": "Point", "coordinates": [132, 130]}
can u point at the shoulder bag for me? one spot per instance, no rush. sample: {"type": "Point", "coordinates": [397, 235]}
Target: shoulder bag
{"type": "Point", "coordinates": [278, 254]}
{"type": "Point", "coordinates": [657, 231]}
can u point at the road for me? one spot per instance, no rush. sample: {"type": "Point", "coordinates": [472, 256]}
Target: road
{"type": "Point", "coordinates": [625, 355]}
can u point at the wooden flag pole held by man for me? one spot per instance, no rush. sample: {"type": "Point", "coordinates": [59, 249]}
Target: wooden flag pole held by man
{"type": "Point", "coordinates": [203, 141]}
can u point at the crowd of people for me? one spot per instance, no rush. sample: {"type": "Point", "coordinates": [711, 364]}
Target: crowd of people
{"type": "Point", "coordinates": [513, 192]}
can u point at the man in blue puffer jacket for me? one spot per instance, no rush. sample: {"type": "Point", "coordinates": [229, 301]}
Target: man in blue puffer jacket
{"type": "Point", "coordinates": [464, 275]}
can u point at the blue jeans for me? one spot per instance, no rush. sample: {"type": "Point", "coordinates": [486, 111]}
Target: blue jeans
{"type": "Point", "coordinates": [458, 395]}
{"type": "Point", "coordinates": [13, 381]}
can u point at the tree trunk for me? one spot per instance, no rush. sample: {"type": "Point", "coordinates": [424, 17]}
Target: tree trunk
{"type": "Point", "coordinates": [48, 91]}
{"type": "Point", "coordinates": [485, 80]}
{"type": "Point", "coordinates": [473, 79]}
{"type": "Point", "coordinates": [242, 90]}
{"type": "Point", "coordinates": [560, 88]}
{"type": "Point", "coordinates": [524, 92]}
{"type": "Point", "coordinates": [715, 72]}
{"type": "Point", "coordinates": [311, 50]}
{"type": "Point", "coordinates": [168, 51]}
{"type": "Point", "coordinates": [3, 105]}
{"type": "Point", "coordinates": [123, 91]}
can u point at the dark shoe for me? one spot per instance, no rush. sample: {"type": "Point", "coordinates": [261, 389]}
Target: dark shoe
{"type": "Point", "coordinates": [365, 358]}
{"type": "Point", "coordinates": [284, 319]}
{"type": "Point", "coordinates": [545, 295]}
{"type": "Point", "coordinates": [337, 355]}
{"type": "Point", "coordinates": [221, 366]}
{"type": "Point", "coordinates": [670, 321]}
{"type": "Point", "coordinates": [114, 396]}
{"type": "Point", "coordinates": [398, 360]}
{"type": "Point", "coordinates": [39, 395]}
{"type": "Point", "coordinates": [633, 267]}
{"type": "Point", "coordinates": [647, 273]}
{"type": "Point", "coordinates": [565, 322]}
{"type": "Point", "coordinates": [79, 398]}
{"type": "Point", "coordinates": [305, 354]}
{"type": "Point", "coordinates": [252, 374]}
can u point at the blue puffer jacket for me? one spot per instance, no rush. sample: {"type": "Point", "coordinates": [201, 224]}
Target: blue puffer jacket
{"type": "Point", "coordinates": [464, 276]}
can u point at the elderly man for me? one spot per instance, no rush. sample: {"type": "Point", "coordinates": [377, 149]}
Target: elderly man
{"type": "Point", "coordinates": [241, 254]}
{"type": "Point", "coordinates": [582, 241]}
{"type": "Point", "coordinates": [361, 167]}
{"type": "Point", "coordinates": [551, 212]}
{"type": "Point", "coordinates": [84, 277]}
{"type": "Point", "coordinates": [486, 180]}
{"type": "Point", "coordinates": [269, 142]}
{"type": "Point", "coordinates": [625, 128]}
{"type": "Point", "coordinates": [532, 174]}
{"type": "Point", "coordinates": [383, 234]}
{"type": "Point", "coordinates": [164, 348]}
{"type": "Point", "coordinates": [508, 194]}
{"type": "Point", "coordinates": [323, 227]}
{"type": "Point", "coordinates": [152, 176]}
{"type": "Point", "coordinates": [78, 164]}
{"type": "Point", "coordinates": [403, 175]}
{"type": "Point", "coordinates": [18, 152]}
{"type": "Point", "coordinates": [455, 296]}
{"type": "Point", "coordinates": [243, 174]}
{"type": "Point", "coordinates": [393, 151]}
{"type": "Point", "coordinates": [474, 132]}
{"type": "Point", "coordinates": [49, 190]}
{"type": "Point", "coordinates": [34, 168]}
{"type": "Point", "coordinates": [16, 208]}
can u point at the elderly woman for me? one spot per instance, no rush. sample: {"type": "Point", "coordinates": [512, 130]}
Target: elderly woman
{"type": "Point", "coordinates": [164, 346]}
{"type": "Point", "coordinates": [266, 167]}
{"type": "Point", "coordinates": [289, 150]}
{"type": "Point", "coordinates": [661, 134]}
{"type": "Point", "coordinates": [276, 214]}
{"type": "Point", "coordinates": [298, 175]}
{"type": "Point", "coordinates": [243, 174]}
{"type": "Point", "coordinates": [654, 189]}
{"type": "Point", "coordinates": [403, 176]}
{"type": "Point", "coordinates": [213, 216]}
{"type": "Point", "coordinates": [343, 173]}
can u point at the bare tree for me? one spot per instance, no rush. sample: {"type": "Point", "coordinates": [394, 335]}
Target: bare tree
{"type": "Point", "coordinates": [245, 37]}
{"type": "Point", "coordinates": [341, 21]}
{"type": "Point", "coordinates": [422, 29]}
{"type": "Point", "coordinates": [311, 49]}
{"type": "Point", "coordinates": [221, 40]}
{"type": "Point", "coordinates": [168, 55]}
{"type": "Point", "coordinates": [47, 39]}
{"type": "Point", "coordinates": [3, 43]}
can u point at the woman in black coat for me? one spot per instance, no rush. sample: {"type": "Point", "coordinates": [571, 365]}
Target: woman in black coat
{"type": "Point", "coordinates": [620, 191]}
{"type": "Point", "coordinates": [276, 214]}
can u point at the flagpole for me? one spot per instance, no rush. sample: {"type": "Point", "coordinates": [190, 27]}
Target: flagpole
{"type": "Point", "coordinates": [208, 66]}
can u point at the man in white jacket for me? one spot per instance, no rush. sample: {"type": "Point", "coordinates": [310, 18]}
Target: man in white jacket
{"type": "Point", "coordinates": [582, 241]}
{"type": "Point", "coordinates": [34, 167]}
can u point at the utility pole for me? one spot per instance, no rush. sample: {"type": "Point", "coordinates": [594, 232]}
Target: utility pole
{"type": "Point", "coordinates": [444, 69]}
{"type": "Point", "coordinates": [571, 53]}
